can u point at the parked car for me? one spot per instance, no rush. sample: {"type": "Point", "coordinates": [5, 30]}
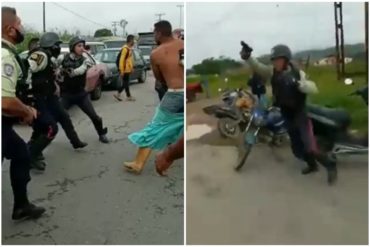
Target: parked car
{"type": "Point", "coordinates": [95, 47]}
{"type": "Point", "coordinates": [108, 56]}
{"type": "Point", "coordinates": [146, 50]}
{"type": "Point", "coordinates": [97, 76]}
{"type": "Point", "coordinates": [114, 43]}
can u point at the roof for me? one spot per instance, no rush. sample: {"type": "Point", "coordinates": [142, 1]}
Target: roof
{"type": "Point", "coordinates": [112, 49]}
{"type": "Point", "coordinates": [115, 49]}
{"type": "Point", "coordinates": [94, 43]}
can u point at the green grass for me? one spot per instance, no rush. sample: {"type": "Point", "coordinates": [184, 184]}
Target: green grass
{"type": "Point", "coordinates": [332, 92]}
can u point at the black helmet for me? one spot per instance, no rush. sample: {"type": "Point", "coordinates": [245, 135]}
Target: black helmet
{"type": "Point", "coordinates": [281, 51]}
{"type": "Point", "coordinates": [74, 41]}
{"type": "Point", "coordinates": [49, 39]}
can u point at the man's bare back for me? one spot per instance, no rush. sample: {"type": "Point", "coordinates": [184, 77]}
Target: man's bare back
{"type": "Point", "coordinates": [166, 64]}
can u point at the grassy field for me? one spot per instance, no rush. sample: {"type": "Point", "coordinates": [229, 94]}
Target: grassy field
{"type": "Point", "coordinates": [332, 92]}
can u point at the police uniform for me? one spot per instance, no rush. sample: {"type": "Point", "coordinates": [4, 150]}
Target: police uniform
{"type": "Point", "coordinates": [289, 88]}
{"type": "Point", "coordinates": [73, 88]}
{"type": "Point", "coordinates": [47, 103]}
{"type": "Point", "coordinates": [14, 148]}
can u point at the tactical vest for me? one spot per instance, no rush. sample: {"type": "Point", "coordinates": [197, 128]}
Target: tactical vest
{"type": "Point", "coordinates": [43, 82]}
{"type": "Point", "coordinates": [22, 86]}
{"type": "Point", "coordinates": [286, 92]}
{"type": "Point", "coordinates": [73, 84]}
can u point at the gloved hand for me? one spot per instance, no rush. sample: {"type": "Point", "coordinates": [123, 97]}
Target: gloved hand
{"type": "Point", "coordinates": [246, 51]}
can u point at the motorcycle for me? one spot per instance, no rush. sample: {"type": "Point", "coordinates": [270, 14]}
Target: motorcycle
{"type": "Point", "coordinates": [261, 119]}
{"type": "Point", "coordinates": [231, 119]}
{"type": "Point", "coordinates": [330, 127]}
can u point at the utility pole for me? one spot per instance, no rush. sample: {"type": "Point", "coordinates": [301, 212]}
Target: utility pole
{"type": "Point", "coordinates": [159, 16]}
{"type": "Point", "coordinates": [339, 40]}
{"type": "Point", "coordinates": [367, 35]}
{"type": "Point", "coordinates": [43, 12]}
{"type": "Point", "coordinates": [114, 27]}
{"type": "Point", "coordinates": [180, 6]}
{"type": "Point", "coordinates": [123, 23]}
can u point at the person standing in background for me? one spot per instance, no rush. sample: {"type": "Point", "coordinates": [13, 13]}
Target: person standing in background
{"type": "Point", "coordinates": [126, 67]}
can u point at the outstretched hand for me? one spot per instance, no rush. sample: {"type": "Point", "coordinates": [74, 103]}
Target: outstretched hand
{"type": "Point", "coordinates": [246, 50]}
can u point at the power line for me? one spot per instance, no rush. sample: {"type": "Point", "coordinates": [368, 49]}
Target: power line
{"type": "Point", "coordinates": [78, 15]}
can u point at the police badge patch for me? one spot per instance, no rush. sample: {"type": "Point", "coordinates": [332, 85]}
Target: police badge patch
{"type": "Point", "coordinates": [37, 58]}
{"type": "Point", "coordinates": [8, 69]}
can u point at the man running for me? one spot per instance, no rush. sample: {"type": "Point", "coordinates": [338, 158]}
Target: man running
{"type": "Point", "coordinates": [168, 122]}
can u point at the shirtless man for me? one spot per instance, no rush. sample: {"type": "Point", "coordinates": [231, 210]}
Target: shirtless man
{"type": "Point", "coordinates": [168, 122]}
{"type": "Point", "coordinates": [165, 58]}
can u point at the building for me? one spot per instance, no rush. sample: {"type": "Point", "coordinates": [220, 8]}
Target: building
{"type": "Point", "coordinates": [331, 60]}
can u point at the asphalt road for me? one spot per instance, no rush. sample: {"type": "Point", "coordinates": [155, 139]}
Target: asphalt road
{"type": "Point", "coordinates": [89, 197]}
{"type": "Point", "coordinates": [268, 201]}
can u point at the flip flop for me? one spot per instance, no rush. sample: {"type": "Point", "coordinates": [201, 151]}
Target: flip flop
{"type": "Point", "coordinates": [117, 98]}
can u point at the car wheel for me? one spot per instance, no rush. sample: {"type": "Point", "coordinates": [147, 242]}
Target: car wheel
{"type": "Point", "coordinates": [142, 77]}
{"type": "Point", "coordinates": [96, 94]}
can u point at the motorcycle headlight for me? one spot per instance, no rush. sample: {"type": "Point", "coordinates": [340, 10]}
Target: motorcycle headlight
{"type": "Point", "coordinates": [258, 120]}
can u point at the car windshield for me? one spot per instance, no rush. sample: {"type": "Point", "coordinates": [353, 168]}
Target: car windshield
{"type": "Point", "coordinates": [107, 56]}
{"type": "Point", "coordinates": [115, 44]}
{"type": "Point", "coordinates": [145, 50]}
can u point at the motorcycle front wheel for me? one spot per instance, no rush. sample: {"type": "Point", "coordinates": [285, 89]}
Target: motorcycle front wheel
{"type": "Point", "coordinates": [243, 156]}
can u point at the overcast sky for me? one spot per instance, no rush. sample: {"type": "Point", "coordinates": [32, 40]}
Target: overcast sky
{"type": "Point", "coordinates": [140, 16]}
{"type": "Point", "coordinates": [214, 29]}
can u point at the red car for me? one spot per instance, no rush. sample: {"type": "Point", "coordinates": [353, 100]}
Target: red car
{"type": "Point", "coordinates": [96, 77]}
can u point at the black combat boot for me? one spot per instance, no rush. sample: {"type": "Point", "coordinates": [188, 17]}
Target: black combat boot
{"type": "Point", "coordinates": [331, 167]}
{"type": "Point", "coordinates": [27, 211]}
{"type": "Point", "coordinates": [36, 146]}
{"type": "Point", "coordinates": [311, 165]}
{"type": "Point", "coordinates": [102, 136]}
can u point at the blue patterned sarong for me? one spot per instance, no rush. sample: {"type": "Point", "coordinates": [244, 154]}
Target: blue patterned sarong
{"type": "Point", "coordinates": [166, 126]}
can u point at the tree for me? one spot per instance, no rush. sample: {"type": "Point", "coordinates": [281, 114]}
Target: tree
{"type": "Point", "coordinates": [28, 36]}
{"type": "Point", "coordinates": [65, 36]}
{"type": "Point", "coordinates": [103, 33]}
{"type": "Point", "coordinates": [216, 66]}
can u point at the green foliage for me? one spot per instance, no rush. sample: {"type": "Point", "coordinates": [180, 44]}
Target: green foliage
{"type": "Point", "coordinates": [215, 65]}
{"type": "Point", "coordinates": [24, 45]}
{"type": "Point", "coordinates": [103, 33]}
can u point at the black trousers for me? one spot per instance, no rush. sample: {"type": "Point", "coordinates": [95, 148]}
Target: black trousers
{"type": "Point", "coordinates": [82, 100]}
{"type": "Point", "coordinates": [52, 112]}
{"type": "Point", "coordinates": [303, 142]}
{"type": "Point", "coordinates": [15, 149]}
{"type": "Point", "coordinates": [125, 84]}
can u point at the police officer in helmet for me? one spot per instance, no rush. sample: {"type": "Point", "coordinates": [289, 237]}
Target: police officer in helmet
{"type": "Point", "coordinates": [290, 88]}
{"type": "Point", "coordinates": [75, 66]}
{"type": "Point", "coordinates": [45, 91]}
{"type": "Point", "coordinates": [13, 146]}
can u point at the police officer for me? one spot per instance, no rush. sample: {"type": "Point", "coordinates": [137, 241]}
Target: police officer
{"type": "Point", "coordinates": [289, 88]}
{"type": "Point", "coordinates": [75, 67]}
{"type": "Point", "coordinates": [13, 146]}
{"type": "Point", "coordinates": [45, 91]}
